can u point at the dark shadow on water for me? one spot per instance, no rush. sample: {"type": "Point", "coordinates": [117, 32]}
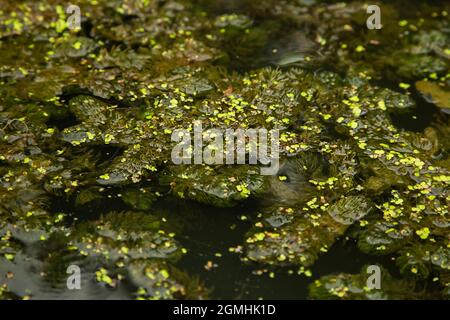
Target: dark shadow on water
{"type": "Point", "coordinates": [419, 118]}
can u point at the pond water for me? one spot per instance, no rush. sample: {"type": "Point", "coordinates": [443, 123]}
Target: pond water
{"type": "Point", "coordinates": [86, 177]}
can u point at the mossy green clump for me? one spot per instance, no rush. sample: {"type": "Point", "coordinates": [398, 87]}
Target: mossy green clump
{"type": "Point", "coordinates": [219, 187]}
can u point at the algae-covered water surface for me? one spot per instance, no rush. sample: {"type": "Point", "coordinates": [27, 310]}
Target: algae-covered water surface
{"type": "Point", "coordinates": [108, 190]}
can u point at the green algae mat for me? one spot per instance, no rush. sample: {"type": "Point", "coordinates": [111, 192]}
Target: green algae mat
{"type": "Point", "coordinates": [93, 205]}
